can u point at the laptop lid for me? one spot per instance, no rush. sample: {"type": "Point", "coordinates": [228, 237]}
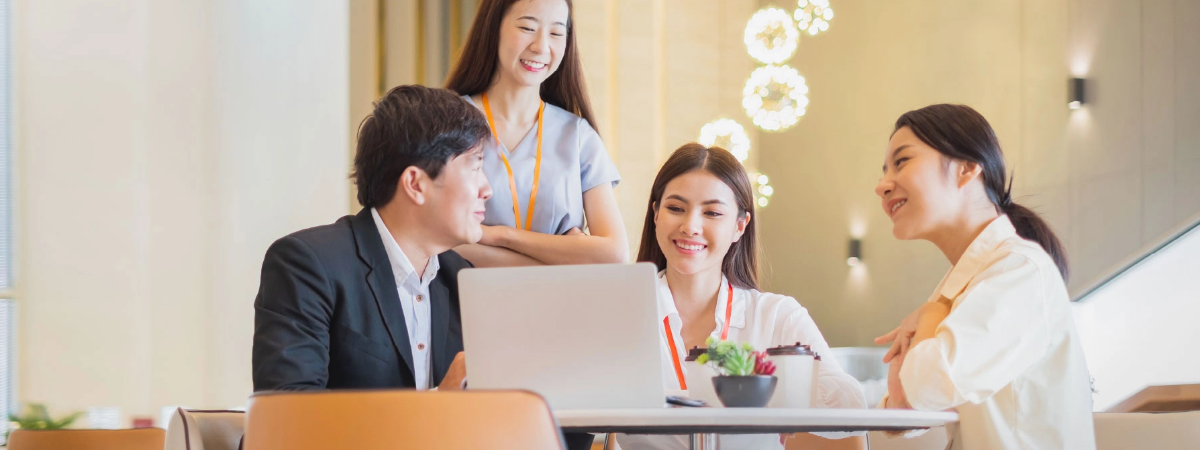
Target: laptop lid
{"type": "Point", "coordinates": [582, 336]}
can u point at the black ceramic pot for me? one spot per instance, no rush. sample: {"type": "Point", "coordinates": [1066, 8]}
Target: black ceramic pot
{"type": "Point", "coordinates": [745, 392]}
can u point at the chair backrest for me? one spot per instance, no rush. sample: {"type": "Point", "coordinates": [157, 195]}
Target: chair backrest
{"type": "Point", "coordinates": [205, 430]}
{"type": "Point", "coordinates": [808, 441]}
{"type": "Point", "coordinates": [1147, 430]}
{"type": "Point", "coordinates": [135, 439]}
{"type": "Point", "coordinates": [934, 439]}
{"type": "Point", "coordinates": [390, 419]}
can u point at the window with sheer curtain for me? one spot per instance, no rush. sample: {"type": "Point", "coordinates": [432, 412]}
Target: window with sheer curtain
{"type": "Point", "coordinates": [7, 307]}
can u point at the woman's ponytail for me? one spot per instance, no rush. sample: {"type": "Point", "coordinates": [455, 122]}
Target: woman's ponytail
{"type": "Point", "coordinates": [1031, 226]}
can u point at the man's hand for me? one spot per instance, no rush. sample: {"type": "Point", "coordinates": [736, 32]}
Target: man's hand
{"type": "Point", "coordinates": [456, 374]}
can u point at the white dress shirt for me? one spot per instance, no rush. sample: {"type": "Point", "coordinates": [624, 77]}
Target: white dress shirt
{"type": "Point", "coordinates": [1008, 357]}
{"type": "Point", "coordinates": [414, 300]}
{"type": "Point", "coordinates": [763, 320]}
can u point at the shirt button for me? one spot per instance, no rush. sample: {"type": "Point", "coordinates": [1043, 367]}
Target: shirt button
{"type": "Point", "coordinates": [420, 346]}
{"type": "Point", "coordinates": [420, 297]}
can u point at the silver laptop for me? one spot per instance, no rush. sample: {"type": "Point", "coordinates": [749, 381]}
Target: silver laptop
{"type": "Point", "coordinates": [583, 337]}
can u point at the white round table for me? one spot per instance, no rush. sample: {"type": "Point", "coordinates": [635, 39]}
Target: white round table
{"type": "Point", "coordinates": [704, 424]}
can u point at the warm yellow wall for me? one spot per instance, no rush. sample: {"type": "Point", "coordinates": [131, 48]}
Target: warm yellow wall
{"type": "Point", "coordinates": [657, 71]}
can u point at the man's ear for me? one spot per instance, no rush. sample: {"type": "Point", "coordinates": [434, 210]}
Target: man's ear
{"type": "Point", "coordinates": [414, 184]}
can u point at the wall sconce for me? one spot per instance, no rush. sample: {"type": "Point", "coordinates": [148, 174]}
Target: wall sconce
{"type": "Point", "coordinates": [1075, 97]}
{"type": "Point", "coordinates": [855, 257]}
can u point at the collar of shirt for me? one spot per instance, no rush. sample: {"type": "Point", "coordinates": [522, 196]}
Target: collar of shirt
{"type": "Point", "coordinates": [737, 318]}
{"type": "Point", "coordinates": [402, 268]}
{"type": "Point", "coordinates": [976, 255]}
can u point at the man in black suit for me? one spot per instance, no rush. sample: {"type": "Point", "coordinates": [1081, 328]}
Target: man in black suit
{"type": "Point", "coordinates": [371, 301]}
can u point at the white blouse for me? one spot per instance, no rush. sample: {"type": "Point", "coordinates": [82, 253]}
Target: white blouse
{"type": "Point", "coordinates": [763, 320]}
{"type": "Point", "coordinates": [1008, 357]}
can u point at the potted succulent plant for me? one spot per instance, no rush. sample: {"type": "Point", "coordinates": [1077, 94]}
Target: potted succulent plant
{"type": "Point", "coordinates": [746, 378]}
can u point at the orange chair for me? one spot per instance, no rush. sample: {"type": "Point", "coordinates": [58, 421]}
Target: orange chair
{"type": "Point", "coordinates": [391, 419]}
{"type": "Point", "coordinates": [136, 439]}
{"type": "Point", "coordinates": [807, 441]}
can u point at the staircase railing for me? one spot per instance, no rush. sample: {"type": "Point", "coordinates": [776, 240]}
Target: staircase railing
{"type": "Point", "coordinates": [1137, 257]}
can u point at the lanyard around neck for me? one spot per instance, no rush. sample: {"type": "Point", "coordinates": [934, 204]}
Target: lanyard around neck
{"type": "Point", "coordinates": [512, 181]}
{"type": "Point", "coordinates": [671, 338]}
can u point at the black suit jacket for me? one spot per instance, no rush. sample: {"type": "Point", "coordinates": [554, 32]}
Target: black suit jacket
{"type": "Point", "coordinates": [328, 316]}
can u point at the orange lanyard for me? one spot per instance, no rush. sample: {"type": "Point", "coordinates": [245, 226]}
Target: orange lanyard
{"type": "Point", "coordinates": [512, 181]}
{"type": "Point", "coordinates": [671, 338]}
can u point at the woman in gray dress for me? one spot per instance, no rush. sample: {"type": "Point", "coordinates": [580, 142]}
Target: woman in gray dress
{"type": "Point", "coordinates": [551, 175]}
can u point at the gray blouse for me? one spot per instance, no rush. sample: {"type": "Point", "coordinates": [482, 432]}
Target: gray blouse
{"type": "Point", "coordinates": [573, 162]}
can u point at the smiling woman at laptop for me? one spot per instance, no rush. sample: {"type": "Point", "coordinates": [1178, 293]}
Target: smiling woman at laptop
{"type": "Point", "coordinates": [699, 233]}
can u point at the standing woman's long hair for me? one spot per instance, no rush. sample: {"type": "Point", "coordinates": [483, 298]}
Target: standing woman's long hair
{"type": "Point", "coordinates": [959, 132]}
{"type": "Point", "coordinates": [741, 262]}
{"type": "Point", "coordinates": [476, 67]}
